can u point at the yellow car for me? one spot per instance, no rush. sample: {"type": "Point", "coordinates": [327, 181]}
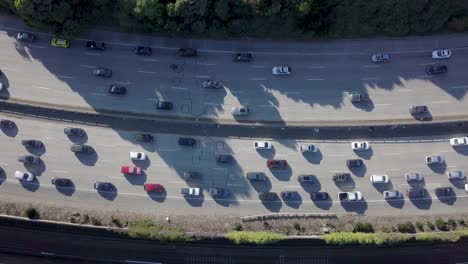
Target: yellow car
{"type": "Point", "coordinates": [62, 43]}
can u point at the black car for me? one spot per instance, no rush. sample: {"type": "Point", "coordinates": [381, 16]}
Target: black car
{"type": "Point", "coordinates": [144, 137]}
{"type": "Point", "coordinates": [319, 196]}
{"type": "Point", "coordinates": [141, 50]}
{"type": "Point", "coordinates": [289, 195]}
{"type": "Point", "coordinates": [416, 193]}
{"type": "Point", "coordinates": [74, 131]}
{"type": "Point", "coordinates": [117, 89]}
{"type": "Point", "coordinates": [102, 72]}
{"type": "Point", "coordinates": [91, 45]}
{"type": "Point", "coordinates": [31, 143]}
{"type": "Point", "coordinates": [267, 196]}
{"type": "Point", "coordinates": [444, 191]}
{"type": "Point", "coordinates": [7, 123]}
{"type": "Point", "coordinates": [187, 52]}
{"type": "Point", "coordinates": [341, 176]}
{"type": "Point", "coordinates": [256, 176]}
{"type": "Point", "coordinates": [61, 182]}
{"type": "Point", "coordinates": [163, 105]}
{"type": "Point", "coordinates": [436, 69]}
{"type": "Point", "coordinates": [242, 57]}
{"type": "Point", "coordinates": [191, 176]}
{"type": "Point", "coordinates": [224, 158]}
{"type": "Point", "coordinates": [26, 37]}
{"type": "Point", "coordinates": [418, 109]}
{"type": "Point", "coordinates": [29, 159]}
{"type": "Point", "coordinates": [187, 141]}
{"type": "Point", "coordinates": [103, 186]}
{"type": "Point", "coordinates": [305, 178]}
{"type": "Point", "coordinates": [354, 163]}
{"type": "Point", "coordinates": [81, 149]}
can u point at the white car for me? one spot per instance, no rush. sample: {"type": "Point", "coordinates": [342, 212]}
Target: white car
{"type": "Point", "coordinates": [454, 175]}
{"type": "Point", "coordinates": [24, 176]}
{"type": "Point", "coordinates": [392, 194]}
{"type": "Point", "coordinates": [281, 70]}
{"type": "Point", "coordinates": [308, 148]}
{"type": "Point", "coordinates": [137, 155]}
{"type": "Point", "coordinates": [360, 145]}
{"type": "Point", "coordinates": [379, 178]}
{"type": "Point", "coordinates": [262, 145]}
{"type": "Point", "coordinates": [461, 141]}
{"type": "Point", "coordinates": [240, 111]}
{"type": "Point", "coordinates": [434, 159]}
{"type": "Point", "coordinates": [441, 54]}
{"type": "Point", "coordinates": [413, 176]}
{"type": "Point", "coordinates": [466, 187]}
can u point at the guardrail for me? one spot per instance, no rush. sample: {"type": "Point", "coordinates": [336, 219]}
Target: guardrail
{"type": "Point", "coordinates": [287, 216]}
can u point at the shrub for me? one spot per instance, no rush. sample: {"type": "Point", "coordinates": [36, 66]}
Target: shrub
{"type": "Point", "coordinates": [348, 238]}
{"type": "Point", "coordinates": [461, 222]}
{"type": "Point", "coordinates": [116, 222]}
{"type": "Point", "coordinates": [391, 238]}
{"type": "Point", "coordinates": [433, 236]}
{"type": "Point", "coordinates": [420, 226]}
{"type": "Point", "coordinates": [260, 237]}
{"type": "Point", "coordinates": [452, 224]}
{"type": "Point", "coordinates": [297, 226]}
{"type": "Point", "coordinates": [31, 213]}
{"type": "Point", "coordinates": [266, 225]}
{"type": "Point", "coordinates": [360, 227]}
{"type": "Point", "coordinates": [441, 225]}
{"type": "Point", "coordinates": [430, 225]}
{"type": "Point", "coordinates": [238, 227]}
{"type": "Point", "coordinates": [95, 221]}
{"type": "Point", "coordinates": [406, 227]}
{"type": "Point", "coordinates": [148, 230]}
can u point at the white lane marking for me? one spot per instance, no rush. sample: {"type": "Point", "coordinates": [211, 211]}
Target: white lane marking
{"type": "Point", "coordinates": [59, 171]}
{"type": "Point", "coordinates": [64, 77]}
{"type": "Point", "coordinates": [382, 104]}
{"type": "Point", "coordinates": [179, 88]}
{"type": "Point", "coordinates": [167, 150]}
{"type": "Point", "coordinates": [127, 82]}
{"type": "Point", "coordinates": [459, 87]}
{"type": "Point", "coordinates": [336, 155]}
{"type": "Point", "coordinates": [425, 64]}
{"type": "Point", "coordinates": [150, 60]}
{"type": "Point", "coordinates": [115, 177]}
{"type": "Point", "coordinates": [316, 67]}
{"type": "Point", "coordinates": [371, 66]}
{"type": "Point", "coordinates": [202, 76]}
{"type": "Point", "coordinates": [405, 90]}
{"type": "Point", "coordinates": [451, 166]}
{"type": "Point", "coordinates": [98, 94]}
{"type": "Point", "coordinates": [40, 87]}
{"type": "Point", "coordinates": [235, 184]}
{"type": "Point", "coordinates": [266, 106]}
{"type": "Point", "coordinates": [179, 182]}
{"type": "Point", "coordinates": [446, 151]}
{"type": "Point", "coordinates": [315, 79]}
{"type": "Point", "coordinates": [257, 79]}
{"type": "Point", "coordinates": [370, 78]}
{"type": "Point", "coordinates": [257, 66]}
{"type": "Point", "coordinates": [206, 64]}
{"type": "Point", "coordinates": [424, 76]}
{"type": "Point", "coordinates": [92, 54]}
{"type": "Point", "coordinates": [292, 186]}
{"type": "Point", "coordinates": [237, 91]}
{"type": "Point", "coordinates": [159, 165]}
{"type": "Point", "coordinates": [8, 69]}
{"type": "Point", "coordinates": [391, 154]}
{"type": "Point", "coordinates": [440, 102]}
{"type": "Point", "coordinates": [52, 155]}
{"type": "Point", "coordinates": [394, 169]}
{"type": "Point", "coordinates": [87, 66]}
{"type": "Point", "coordinates": [293, 92]}
{"type": "Point", "coordinates": [36, 46]}
{"type": "Point", "coordinates": [208, 103]}
{"type": "Point", "coordinates": [4, 164]}
{"type": "Point", "coordinates": [150, 72]}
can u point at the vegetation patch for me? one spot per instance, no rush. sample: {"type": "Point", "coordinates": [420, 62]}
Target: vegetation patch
{"type": "Point", "coordinates": [349, 238]}
{"type": "Point", "coordinates": [149, 230]}
{"type": "Point", "coordinates": [250, 237]}
{"type": "Point", "coordinates": [361, 227]}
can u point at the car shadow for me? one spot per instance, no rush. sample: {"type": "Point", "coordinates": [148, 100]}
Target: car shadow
{"type": "Point", "coordinates": [346, 186]}
{"type": "Point", "coordinates": [37, 151]}
{"type": "Point", "coordinates": [313, 157]}
{"type": "Point", "coordinates": [461, 150]}
{"type": "Point", "coordinates": [423, 117]}
{"type": "Point", "coordinates": [68, 190]}
{"type": "Point", "coordinates": [78, 140]}
{"type": "Point", "coordinates": [225, 201]}
{"type": "Point", "coordinates": [267, 153]}
{"type": "Point", "coordinates": [282, 175]}
{"type": "Point", "coordinates": [449, 200]}
{"type": "Point", "coordinates": [458, 183]}
{"type": "Point", "coordinates": [5, 93]}
{"type": "Point", "coordinates": [195, 201]}
{"type": "Point", "coordinates": [261, 186]}
{"type": "Point", "coordinates": [396, 203]}
{"type": "Point", "coordinates": [3, 176]}
{"type": "Point", "coordinates": [313, 186]}
{"type": "Point", "coordinates": [37, 169]}
{"type": "Point", "coordinates": [422, 203]}
{"type": "Point", "coordinates": [359, 207]}
{"type": "Point", "coordinates": [380, 187]}
{"type": "Point", "coordinates": [365, 154]}
{"type": "Point", "coordinates": [88, 159]}
{"type": "Point", "coordinates": [359, 171]}
{"type": "Point", "coordinates": [158, 197]}
{"type": "Point", "coordinates": [31, 186]}
{"type": "Point", "coordinates": [143, 164]}
{"type": "Point", "coordinates": [10, 131]}
{"type": "Point", "coordinates": [273, 206]}
{"type": "Point", "coordinates": [417, 184]}
{"type": "Point", "coordinates": [109, 195]}
{"type": "Point", "coordinates": [324, 204]}
{"type": "Point", "coordinates": [438, 168]}
{"type": "Point", "coordinates": [135, 179]}
{"type": "Point", "coordinates": [367, 106]}
{"type": "Point", "coordinates": [296, 203]}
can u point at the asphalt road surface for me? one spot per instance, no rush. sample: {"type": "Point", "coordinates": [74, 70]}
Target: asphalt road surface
{"type": "Point", "coordinates": [322, 77]}
{"type": "Point", "coordinates": [167, 161]}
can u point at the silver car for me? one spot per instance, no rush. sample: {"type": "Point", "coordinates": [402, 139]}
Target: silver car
{"type": "Point", "coordinates": [240, 111]}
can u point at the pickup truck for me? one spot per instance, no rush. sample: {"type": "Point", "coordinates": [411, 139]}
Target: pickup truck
{"type": "Point", "coordinates": [217, 192]}
{"type": "Point", "coordinates": [341, 177]}
{"type": "Point", "coordinates": [350, 196]}
{"type": "Point", "coordinates": [130, 170]}
{"type": "Point", "coordinates": [189, 191]}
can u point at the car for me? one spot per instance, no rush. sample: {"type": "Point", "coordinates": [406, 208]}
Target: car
{"type": "Point", "coordinates": [358, 97]}
{"type": "Point", "coordinates": [441, 54]}
{"type": "Point", "coordinates": [103, 186]}
{"type": "Point", "coordinates": [25, 37]}
{"type": "Point", "coordinates": [81, 148]}
{"type": "Point", "coordinates": [379, 178]}
{"type": "Point", "coordinates": [466, 187]}
{"type": "Point", "coordinates": [242, 57]}
{"type": "Point", "coordinates": [130, 170]}
{"type": "Point", "coordinates": [436, 69]}
{"type": "Point", "coordinates": [308, 148]}
{"type": "Point", "coordinates": [240, 111]}
{"type": "Point", "coordinates": [137, 155]}
{"type": "Point", "coordinates": [164, 105]}
{"type": "Point", "coordinates": [191, 176]}
{"type": "Point", "coordinates": [289, 195]}
{"type": "Point", "coordinates": [73, 131]}
{"type": "Point", "coordinates": [413, 177]}
{"type": "Point", "coordinates": [416, 193]}
{"type": "Point", "coordinates": [434, 159]}
{"type": "Point", "coordinates": [29, 159]}
{"type": "Point", "coordinates": [455, 175]}
{"type": "Point", "coordinates": [7, 123]}
{"type": "Point", "coordinates": [61, 182]}
{"type": "Point", "coordinates": [444, 191]}
{"type": "Point", "coordinates": [353, 163]}
{"type": "Point", "coordinates": [141, 50]}
{"type": "Point", "coordinates": [267, 196]}
{"type": "Point", "coordinates": [350, 196]}
{"type": "Point", "coordinates": [460, 141]}
{"type": "Point", "coordinates": [31, 143]}
{"type": "Point", "coordinates": [153, 187]}
{"type": "Point", "coordinates": [212, 84]}
{"type": "Point", "coordinates": [224, 158]}
{"type": "Point", "coordinates": [60, 43]}
{"type": "Point", "coordinates": [341, 176]}
{"type": "Point", "coordinates": [418, 110]}
{"type": "Point", "coordinates": [190, 191]}
{"type": "Point", "coordinates": [262, 145]}
{"type": "Point", "coordinates": [102, 72]}
{"type": "Point", "coordinates": [189, 142]}
{"type": "Point", "coordinates": [117, 89]}
{"type": "Point", "coordinates": [144, 137]}
{"type": "Point", "coordinates": [360, 145]}
{"type": "Point", "coordinates": [187, 52]}
{"type": "Point", "coordinates": [281, 70]}
{"type": "Point", "coordinates": [319, 196]}
{"type": "Point", "coordinates": [256, 176]}
{"type": "Point", "coordinates": [217, 192]}
{"type": "Point", "coordinates": [392, 194]}
{"type": "Point", "coordinates": [91, 45]}
{"type": "Point", "coordinates": [24, 176]}
{"type": "Point", "coordinates": [305, 178]}
{"type": "Point", "coordinates": [277, 164]}
{"type": "Point", "coordinates": [380, 57]}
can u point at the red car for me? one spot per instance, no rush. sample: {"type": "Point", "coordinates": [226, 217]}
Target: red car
{"type": "Point", "coordinates": [153, 187]}
{"type": "Point", "coordinates": [130, 170]}
{"type": "Point", "coordinates": [277, 164]}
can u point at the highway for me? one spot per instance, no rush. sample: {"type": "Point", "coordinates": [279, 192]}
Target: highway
{"type": "Point", "coordinates": [167, 161]}
{"type": "Point", "coordinates": [316, 91]}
